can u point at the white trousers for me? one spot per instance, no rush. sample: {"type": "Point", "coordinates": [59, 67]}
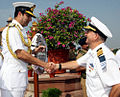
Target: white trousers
{"type": "Point", "coordinates": [12, 93]}
{"type": "Point", "coordinates": [0, 92]}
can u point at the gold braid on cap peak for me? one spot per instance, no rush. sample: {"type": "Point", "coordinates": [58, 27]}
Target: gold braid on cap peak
{"type": "Point", "coordinates": [32, 8]}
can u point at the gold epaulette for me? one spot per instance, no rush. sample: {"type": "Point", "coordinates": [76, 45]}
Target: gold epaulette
{"type": "Point", "coordinates": [99, 52]}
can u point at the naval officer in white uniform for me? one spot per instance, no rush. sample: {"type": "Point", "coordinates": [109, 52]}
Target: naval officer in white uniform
{"type": "Point", "coordinates": [16, 48]}
{"type": "Point", "coordinates": [102, 71]}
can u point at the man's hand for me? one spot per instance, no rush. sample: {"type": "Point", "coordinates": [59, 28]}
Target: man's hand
{"type": "Point", "coordinates": [40, 48]}
{"type": "Point", "coordinates": [115, 91]}
{"type": "Point", "coordinates": [50, 67]}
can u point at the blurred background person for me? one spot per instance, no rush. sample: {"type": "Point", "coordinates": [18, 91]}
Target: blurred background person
{"type": "Point", "coordinates": [38, 41]}
{"type": "Point", "coordinates": [82, 70]}
{"type": "Point", "coordinates": [9, 20]}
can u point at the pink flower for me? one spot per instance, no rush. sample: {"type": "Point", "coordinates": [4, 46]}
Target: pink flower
{"type": "Point", "coordinates": [63, 9]}
{"type": "Point", "coordinates": [49, 20]}
{"type": "Point", "coordinates": [64, 14]}
{"type": "Point", "coordinates": [63, 45]}
{"type": "Point", "coordinates": [61, 2]}
{"type": "Point", "coordinates": [51, 37]}
{"type": "Point", "coordinates": [71, 24]}
{"type": "Point", "coordinates": [40, 14]}
{"type": "Point", "coordinates": [80, 15]}
{"type": "Point", "coordinates": [69, 8]}
{"type": "Point", "coordinates": [41, 32]}
{"type": "Point", "coordinates": [75, 35]}
{"type": "Point", "coordinates": [49, 9]}
{"type": "Point", "coordinates": [58, 43]}
{"type": "Point", "coordinates": [44, 22]}
{"type": "Point", "coordinates": [49, 28]}
{"type": "Point", "coordinates": [39, 20]}
{"type": "Point", "coordinates": [76, 11]}
{"type": "Point", "coordinates": [89, 20]}
{"type": "Point", "coordinates": [28, 32]}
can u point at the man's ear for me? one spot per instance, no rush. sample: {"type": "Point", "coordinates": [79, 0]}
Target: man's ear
{"type": "Point", "coordinates": [96, 36]}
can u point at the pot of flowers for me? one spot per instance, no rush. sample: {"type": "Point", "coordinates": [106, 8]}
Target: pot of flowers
{"type": "Point", "coordinates": [60, 27]}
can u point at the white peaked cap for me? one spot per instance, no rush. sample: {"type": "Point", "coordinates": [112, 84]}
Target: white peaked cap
{"type": "Point", "coordinates": [25, 4]}
{"type": "Point", "coordinates": [95, 23]}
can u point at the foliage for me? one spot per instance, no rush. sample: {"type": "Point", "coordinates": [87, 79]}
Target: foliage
{"type": "Point", "coordinates": [51, 92]}
{"type": "Point", "coordinates": [115, 50]}
{"type": "Point", "coordinates": [29, 67]}
{"type": "Point", "coordinates": [61, 26]}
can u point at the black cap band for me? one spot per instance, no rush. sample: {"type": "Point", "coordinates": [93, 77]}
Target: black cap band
{"type": "Point", "coordinates": [98, 31]}
{"type": "Point", "coordinates": [23, 9]}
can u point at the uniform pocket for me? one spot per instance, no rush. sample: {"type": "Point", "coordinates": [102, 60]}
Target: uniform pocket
{"type": "Point", "coordinates": [18, 79]}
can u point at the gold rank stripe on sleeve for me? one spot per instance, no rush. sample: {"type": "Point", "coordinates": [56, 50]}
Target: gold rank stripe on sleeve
{"type": "Point", "coordinates": [22, 38]}
{"type": "Point", "coordinates": [99, 52]}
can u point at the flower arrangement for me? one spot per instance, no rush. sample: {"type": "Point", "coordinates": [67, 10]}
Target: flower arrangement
{"type": "Point", "coordinates": [61, 26]}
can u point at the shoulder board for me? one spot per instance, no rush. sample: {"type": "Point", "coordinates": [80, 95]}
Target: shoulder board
{"type": "Point", "coordinates": [11, 25]}
{"type": "Point", "coordinates": [99, 52]}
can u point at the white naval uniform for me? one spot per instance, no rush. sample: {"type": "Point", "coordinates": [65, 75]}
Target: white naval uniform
{"type": "Point", "coordinates": [118, 57]}
{"type": "Point", "coordinates": [37, 40]}
{"type": "Point", "coordinates": [14, 74]}
{"type": "Point", "coordinates": [101, 71]}
{"type": "Point", "coordinates": [1, 61]}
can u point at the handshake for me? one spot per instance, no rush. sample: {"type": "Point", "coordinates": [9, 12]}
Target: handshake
{"type": "Point", "coordinates": [51, 67]}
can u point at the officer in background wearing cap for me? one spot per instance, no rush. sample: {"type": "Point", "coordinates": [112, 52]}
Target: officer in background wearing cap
{"type": "Point", "coordinates": [82, 70]}
{"type": "Point", "coordinates": [16, 48]}
{"type": "Point", "coordinates": [84, 47]}
{"type": "Point", "coordinates": [102, 71]}
{"type": "Point", "coordinates": [9, 20]}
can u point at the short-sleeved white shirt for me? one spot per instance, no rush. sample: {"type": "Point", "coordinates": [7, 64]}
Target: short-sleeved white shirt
{"type": "Point", "coordinates": [118, 57]}
{"type": "Point", "coordinates": [14, 71]}
{"type": "Point", "coordinates": [102, 71]}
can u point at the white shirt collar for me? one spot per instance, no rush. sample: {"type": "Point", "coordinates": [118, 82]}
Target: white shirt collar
{"type": "Point", "coordinates": [93, 52]}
